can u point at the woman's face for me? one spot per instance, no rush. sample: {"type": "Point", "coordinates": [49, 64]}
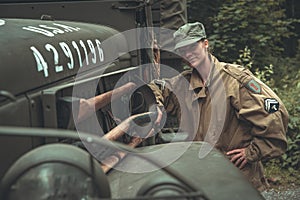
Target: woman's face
{"type": "Point", "coordinates": [195, 53]}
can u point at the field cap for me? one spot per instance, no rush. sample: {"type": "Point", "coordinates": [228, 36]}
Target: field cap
{"type": "Point", "coordinates": [188, 34]}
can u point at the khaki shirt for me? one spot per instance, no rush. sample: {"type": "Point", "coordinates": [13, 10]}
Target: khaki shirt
{"type": "Point", "coordinates": [232, 110]}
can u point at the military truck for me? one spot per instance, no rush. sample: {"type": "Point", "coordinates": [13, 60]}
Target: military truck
{"type": "Point", "coordinates": [74, 101]}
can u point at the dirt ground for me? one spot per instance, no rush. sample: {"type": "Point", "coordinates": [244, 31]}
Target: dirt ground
{"type": "Point", "coordinates": [283, 193]}
{"type": "Point", "coordinates": [284, 184]}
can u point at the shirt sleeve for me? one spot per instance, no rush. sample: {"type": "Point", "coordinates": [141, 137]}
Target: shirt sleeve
{"type": "Point", "coordinates": [260, 106]}
{"type": "Point", "coordinates": [165, 98]}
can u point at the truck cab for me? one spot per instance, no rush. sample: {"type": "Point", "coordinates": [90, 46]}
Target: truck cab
{"type": "Point", "coordinates": [74, 101]}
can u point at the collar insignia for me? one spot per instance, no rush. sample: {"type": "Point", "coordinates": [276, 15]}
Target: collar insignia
{"type": "Point", "coordinates": [160, 83]}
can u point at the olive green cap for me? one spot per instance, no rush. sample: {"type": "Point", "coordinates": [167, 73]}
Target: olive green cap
{"type": "Point", "coordinates": [188, 34]}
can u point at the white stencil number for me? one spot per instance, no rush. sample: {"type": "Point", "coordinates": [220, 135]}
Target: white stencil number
{"type": "Point", "coordinates": [42, 65]}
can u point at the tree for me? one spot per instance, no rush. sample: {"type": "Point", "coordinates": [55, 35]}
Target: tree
{"type": "Point", "coordinates": [233, 25]}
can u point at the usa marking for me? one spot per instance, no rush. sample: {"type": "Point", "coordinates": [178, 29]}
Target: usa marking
{"type": "Point", "coordinates": [51, 31]}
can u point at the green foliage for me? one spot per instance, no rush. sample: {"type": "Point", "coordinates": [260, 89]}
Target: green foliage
{"type": "Point", "coordinates": [260, 25]}
{"type": "Point", "coordinates": [231, 25]}
{"type": "Point", "coordinates": [279, 176]}
{"type": "Point", "coordinates": [265, 74]}
{"type": "Point", "coordinates": [203, 11]}
{"type": "Point", "coordinates": [290, 94]}
{"type": "Point", "coordinates": [245, 58]}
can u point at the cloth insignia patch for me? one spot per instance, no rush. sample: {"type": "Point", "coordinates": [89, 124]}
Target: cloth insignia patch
{"type": "Point", "coordinates": [254, 86]}
{"type": "Point", "coordinates": [271, 105]}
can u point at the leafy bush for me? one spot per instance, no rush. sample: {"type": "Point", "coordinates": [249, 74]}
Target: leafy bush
{"type": "Point", "coordinates": [290, 94]}
{"type": "Point", "coordinates": [262, 26]}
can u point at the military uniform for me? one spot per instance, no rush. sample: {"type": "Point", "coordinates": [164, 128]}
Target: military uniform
{"type": "Point", "coordinates": [232, 110]}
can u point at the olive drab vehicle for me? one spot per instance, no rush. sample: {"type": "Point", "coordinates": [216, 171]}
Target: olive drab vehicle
{"type": "Point", "coordinates": [63, 64]}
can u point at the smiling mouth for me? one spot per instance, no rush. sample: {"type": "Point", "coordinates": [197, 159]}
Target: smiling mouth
{"type": "Point", "coordinates": [191, 60]}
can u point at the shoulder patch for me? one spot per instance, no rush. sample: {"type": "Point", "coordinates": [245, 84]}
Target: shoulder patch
{"type": "Point", "coordinates": [271, 105]}
{"type": "Point", "coordinates": [254, 86]}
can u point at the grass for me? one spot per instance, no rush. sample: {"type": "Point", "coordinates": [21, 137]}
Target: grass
{"type": "Point", "coordinates": [280, 178]}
